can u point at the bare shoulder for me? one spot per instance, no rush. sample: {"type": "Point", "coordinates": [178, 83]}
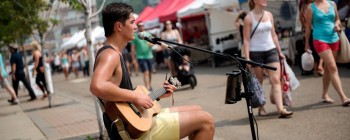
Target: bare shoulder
{"type": "Point", "coordinates": [308, 7]}
{"type": "Point", "coordinates": [269, 14]}
{"type": "Point", "coordinates": [248, 18]}
{"type": "Point", "coordinates": [333, 3]}
{"type": "Point", "coordinates": [108, 57]}
{"type": "Point", "coordinates": [37, 53]}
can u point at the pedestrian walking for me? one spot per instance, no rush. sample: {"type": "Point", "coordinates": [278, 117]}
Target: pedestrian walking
{"type": "Point", "coordinates": [65, 61]}
{"type": "Point", "coordinates": [5, 84]}
{"type": "Point", "coordinates": [261, 45]}
{"type": "Point", "coordinates": [322, 16]}
{"type": "Point", "coordinates": [84, 61]}
{"type": "Point", "coordinates": [39, 69]}
{"type": "Point", "coordinates": [239, 24]}
{"type": "Point", "coordinates": [318, 62]}
{"type": "Point", "coordinates": [111, 83]}
{"type": "Point", "coordinates": [130, 61]}
{"type": "Point", "coordinates": [75, 62]}
{"type": "Point", "coordinates": [17, 72]}
{"type": "Point", "coordinates": [143, 51]}
{"type": "Point", "coordinates": [57, 63]}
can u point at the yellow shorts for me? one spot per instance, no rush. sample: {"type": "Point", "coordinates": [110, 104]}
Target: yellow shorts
{"type": "Point", "coordinates": [165, 126]}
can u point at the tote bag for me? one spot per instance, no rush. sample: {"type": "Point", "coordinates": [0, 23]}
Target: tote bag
{"type": "Point", "coordinates": [254, 87]}
{"type": "Point", "coordinates": [344, 51]}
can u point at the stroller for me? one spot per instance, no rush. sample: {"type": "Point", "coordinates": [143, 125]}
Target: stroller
{"type": "Point", "coordinates": [184, 69]}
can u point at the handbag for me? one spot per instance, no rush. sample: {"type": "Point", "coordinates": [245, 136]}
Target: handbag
{"type": "Point", "coordinates": [344, 51]}
{"type": "Point", "coordinates": [254, 87]}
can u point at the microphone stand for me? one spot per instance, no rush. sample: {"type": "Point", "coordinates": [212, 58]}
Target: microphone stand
{"type": "Point", "coordinates": [242, 63]}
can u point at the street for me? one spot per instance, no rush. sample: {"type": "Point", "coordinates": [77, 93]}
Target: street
{"type": "Point", "coordinates": [73, 113]}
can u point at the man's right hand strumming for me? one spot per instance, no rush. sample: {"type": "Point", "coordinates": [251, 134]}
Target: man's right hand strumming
{"type": "Point", "coordinates": [143, 100]}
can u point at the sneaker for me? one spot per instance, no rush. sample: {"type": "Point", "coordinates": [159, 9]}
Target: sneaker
{"type": "Point", "coordinates": [10, 100]}
{"type": "Point", "coordinates": [31, 99]}
{"type": "Point", "coordinates": [15, 102]}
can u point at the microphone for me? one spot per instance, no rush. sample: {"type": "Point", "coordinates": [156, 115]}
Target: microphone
{"type": "Point", "coordinates": [151, 39]}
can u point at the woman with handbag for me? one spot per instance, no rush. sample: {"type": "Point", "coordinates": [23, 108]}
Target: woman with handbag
{"type": "Point", "coordinates": [323, 17]}
{"type": "Point", "coordinates": [261, 45]}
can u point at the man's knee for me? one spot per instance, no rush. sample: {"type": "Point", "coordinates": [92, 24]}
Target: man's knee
{"type": "Point", "coordinates": [208, 120]}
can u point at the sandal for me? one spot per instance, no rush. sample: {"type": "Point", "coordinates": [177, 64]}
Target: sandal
{"type": "Point", "coordinates": [346, 103]}
{"type": "Point", "coordinates": [328, 101]}
{"type": "Point", "coordinates": [284, 113]}
{"type": "Point", "coordinates": [44, 96]}
{"type": "Point", "coordinates": [264, 114]}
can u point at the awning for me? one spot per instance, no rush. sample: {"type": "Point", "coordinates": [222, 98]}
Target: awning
{"type": "Point", "coordinates": [199, 6]}
{"type": "Point", "coordinates": [144, 13]}
{"type": "Point", "coordinates": [165, 10]}
{"type": "Point", "coordinates": [171, 13]}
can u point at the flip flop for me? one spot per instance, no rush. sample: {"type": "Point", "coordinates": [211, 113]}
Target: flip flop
{"type": "Point", "coordinates": [346, 103]}
{"type": "Point", "coordinates": [328, 101]}
{"type": "Point", "coordinates": [265, 114]}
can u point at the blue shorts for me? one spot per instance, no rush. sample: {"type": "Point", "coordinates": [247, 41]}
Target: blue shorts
{"type": "Point", "coordinates": [145, 64]}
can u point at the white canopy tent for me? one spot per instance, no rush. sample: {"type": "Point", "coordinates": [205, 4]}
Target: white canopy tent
{"type": "Point", "coordinates": [79, 40]}
{"type": "Point", "coordinates": [98, 34]}
{"type": "Point", "coordinates": [72, 41]}
{"type": "Point", "coordinates": [220, 16]}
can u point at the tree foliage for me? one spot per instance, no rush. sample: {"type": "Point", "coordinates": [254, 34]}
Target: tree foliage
{"type": "Point", "coordinates": [20, 18]}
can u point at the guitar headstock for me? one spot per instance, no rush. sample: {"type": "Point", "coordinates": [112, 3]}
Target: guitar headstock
{"type": "Point", "coordinates": [174, 81]}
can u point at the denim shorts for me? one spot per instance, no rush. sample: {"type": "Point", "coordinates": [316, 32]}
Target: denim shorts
{"type": "Point", "coordinates": [264, 57]}
{"type": "Point", "coordinates": [145, 64]}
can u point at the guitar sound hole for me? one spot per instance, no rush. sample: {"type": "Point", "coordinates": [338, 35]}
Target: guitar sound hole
{"type": "Point", "coordinates": [134, 108]}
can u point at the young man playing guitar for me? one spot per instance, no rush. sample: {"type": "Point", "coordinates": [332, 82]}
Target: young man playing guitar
{"type": "Point", "coordinates": [111, 83]}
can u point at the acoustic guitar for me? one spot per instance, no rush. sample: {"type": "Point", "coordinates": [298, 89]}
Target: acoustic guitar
{"type": "Point", "coordinates": [137, 120]}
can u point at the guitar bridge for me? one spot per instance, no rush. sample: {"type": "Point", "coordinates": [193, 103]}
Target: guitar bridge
{"type": "Point", "coordinates": [134, 108]}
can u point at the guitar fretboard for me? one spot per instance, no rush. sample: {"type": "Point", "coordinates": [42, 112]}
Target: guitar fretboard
{"type": "Point", "coordinates": [157, 93]}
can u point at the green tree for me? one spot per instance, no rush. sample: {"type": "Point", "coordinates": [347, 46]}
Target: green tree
{"type": "Point", "coordinates": [21, 18]}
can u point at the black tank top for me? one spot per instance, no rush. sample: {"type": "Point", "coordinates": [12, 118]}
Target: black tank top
{"type": "Point", "coordinates": [126, 82]}
{"type": "Point", "coordinates": [40, 63]}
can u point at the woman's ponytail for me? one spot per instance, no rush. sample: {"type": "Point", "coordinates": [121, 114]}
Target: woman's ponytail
{"type": "Point", "coordinates": [251, 4]}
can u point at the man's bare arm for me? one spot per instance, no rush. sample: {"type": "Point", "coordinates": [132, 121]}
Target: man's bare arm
{"type": "Point", "coordinates": [101, 84]}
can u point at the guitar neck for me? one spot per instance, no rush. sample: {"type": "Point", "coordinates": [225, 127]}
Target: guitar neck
{"type": "Point", "coordinates": [157, 93]}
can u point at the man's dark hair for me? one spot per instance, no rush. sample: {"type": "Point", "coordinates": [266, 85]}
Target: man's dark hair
{"type": "Point", "coordinates": [114, 12]}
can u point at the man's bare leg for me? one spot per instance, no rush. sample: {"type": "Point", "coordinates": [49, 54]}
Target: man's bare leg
{"type": "Point", "coordinates": [195, 123]}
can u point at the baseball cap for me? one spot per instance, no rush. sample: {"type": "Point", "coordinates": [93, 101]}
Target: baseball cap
{"type": "Point", "coordinates": [307, 61]}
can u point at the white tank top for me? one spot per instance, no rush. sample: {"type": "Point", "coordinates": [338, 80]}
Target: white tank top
{"type": "Point", "coordinates": [262, 38]}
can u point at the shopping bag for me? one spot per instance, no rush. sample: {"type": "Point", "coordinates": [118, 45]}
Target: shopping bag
{"type": "Point", "coordinates": [285, 83]}
{"type": "Point", "coordinates": [344, 51]}
{"type": "Point", "coordinates": [254, 87]}
{"type": "Point", "coordinates": [294, 82]}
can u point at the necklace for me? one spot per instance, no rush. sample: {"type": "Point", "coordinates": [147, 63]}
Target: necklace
{"type": "Point", "coordinates": [258, 16]}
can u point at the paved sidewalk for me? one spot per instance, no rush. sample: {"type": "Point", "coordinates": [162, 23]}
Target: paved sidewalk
{"type": "Point", "coordinates": [73, 116]}
{"type": "Point", "coordinates": [68, 117]}
{"type": "Point", "coordinates": [15, 124]}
